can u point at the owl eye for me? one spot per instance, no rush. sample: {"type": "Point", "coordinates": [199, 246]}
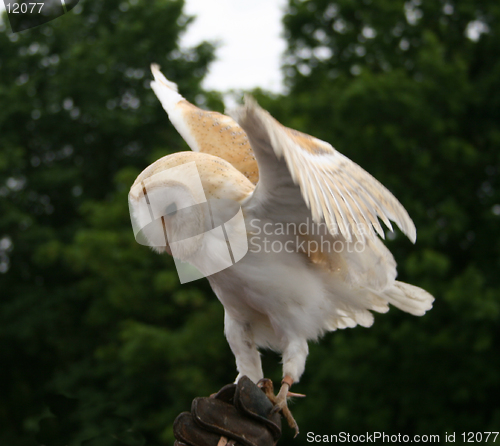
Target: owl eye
{"type": "Point", "coordinates": [171, 209]}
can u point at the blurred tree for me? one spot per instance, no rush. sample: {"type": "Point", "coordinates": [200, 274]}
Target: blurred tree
{"type": "Point", "coordinates": [410, 91]}
{"type": "Point", "coordinates": [86, 312]}
{"type": "Point", "coordinates": [98, 341]}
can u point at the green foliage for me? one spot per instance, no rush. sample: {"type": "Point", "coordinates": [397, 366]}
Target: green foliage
{"type": "Point", "coordinates": [86, 311]}
{"type": "Point", "coordinates": [99, 342]}
{"type": "Point", "coordinates": [407, 90]}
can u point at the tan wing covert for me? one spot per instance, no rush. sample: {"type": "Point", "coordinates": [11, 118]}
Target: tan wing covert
{"type": "Point", "coordinates": [206, 131]}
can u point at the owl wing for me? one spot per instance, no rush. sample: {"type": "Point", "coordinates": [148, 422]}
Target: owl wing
{"type": "Point", "coordinates": [206, 131]}
{"type": "Point", "coordinates": [296, 168]}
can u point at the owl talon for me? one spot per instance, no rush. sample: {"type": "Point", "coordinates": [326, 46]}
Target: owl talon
{"type": "Point", "coordinates": [267, 387]}
{"type": "Point", "coordinates": [280, 400]}
{"type": "Point", "coordinates": [275, 409]}
{"type": "Point", "coordinates": [280, 405]}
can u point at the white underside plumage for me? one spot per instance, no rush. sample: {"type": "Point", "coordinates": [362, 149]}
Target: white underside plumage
{"type": "Point", "coordinates": [281, 300]}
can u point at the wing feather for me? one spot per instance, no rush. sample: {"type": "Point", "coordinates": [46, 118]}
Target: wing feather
{"type": "Point", "coordinates": [335, 189]}
{"type": "Point", "coordinates": [364, 211]}
{"type": "Point", "coordinates": [365, 201]}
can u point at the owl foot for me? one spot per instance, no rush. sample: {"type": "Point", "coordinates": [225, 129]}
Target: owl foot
{"type": "Point", "coordinates": [280, 400]}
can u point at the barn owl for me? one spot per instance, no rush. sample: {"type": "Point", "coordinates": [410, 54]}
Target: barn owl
{"type": "Point", "coordinates": [315, 261]}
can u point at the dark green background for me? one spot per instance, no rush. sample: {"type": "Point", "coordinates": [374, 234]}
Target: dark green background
{"type": "Point", "coordinates": [100, 343]}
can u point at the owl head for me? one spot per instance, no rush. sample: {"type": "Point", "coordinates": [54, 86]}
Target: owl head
{"type": "Point", "coordinates": [175, 203]}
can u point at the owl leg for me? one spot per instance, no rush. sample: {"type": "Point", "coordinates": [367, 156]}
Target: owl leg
{"type": "Point", "coordinates": [240, 338]}
{"type": "Point", "coordinates": [294, 361]}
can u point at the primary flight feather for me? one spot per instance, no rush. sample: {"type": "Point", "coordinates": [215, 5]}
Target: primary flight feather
{"type": "Point", "coordinates": [295, 192]}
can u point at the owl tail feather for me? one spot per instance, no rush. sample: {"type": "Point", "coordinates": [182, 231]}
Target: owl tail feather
{"type": "Point", "coordinates": [409, 298]}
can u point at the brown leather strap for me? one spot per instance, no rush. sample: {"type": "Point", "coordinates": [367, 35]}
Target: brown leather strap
{"type": "Point", "coordinates": [287, 380]}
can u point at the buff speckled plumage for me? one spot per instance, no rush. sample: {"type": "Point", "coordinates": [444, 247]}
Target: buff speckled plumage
{"type": "Point", "coordinates": [206, 131]}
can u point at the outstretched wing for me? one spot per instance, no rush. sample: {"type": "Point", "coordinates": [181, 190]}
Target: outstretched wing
{"type": "Point", "coordinates": [206, 131]}
{"type": "Point", "coordinates": [335, 189]}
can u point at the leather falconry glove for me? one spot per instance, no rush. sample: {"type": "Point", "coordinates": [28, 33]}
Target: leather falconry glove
{"type": "Point", "coordinates": [239, 414]}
